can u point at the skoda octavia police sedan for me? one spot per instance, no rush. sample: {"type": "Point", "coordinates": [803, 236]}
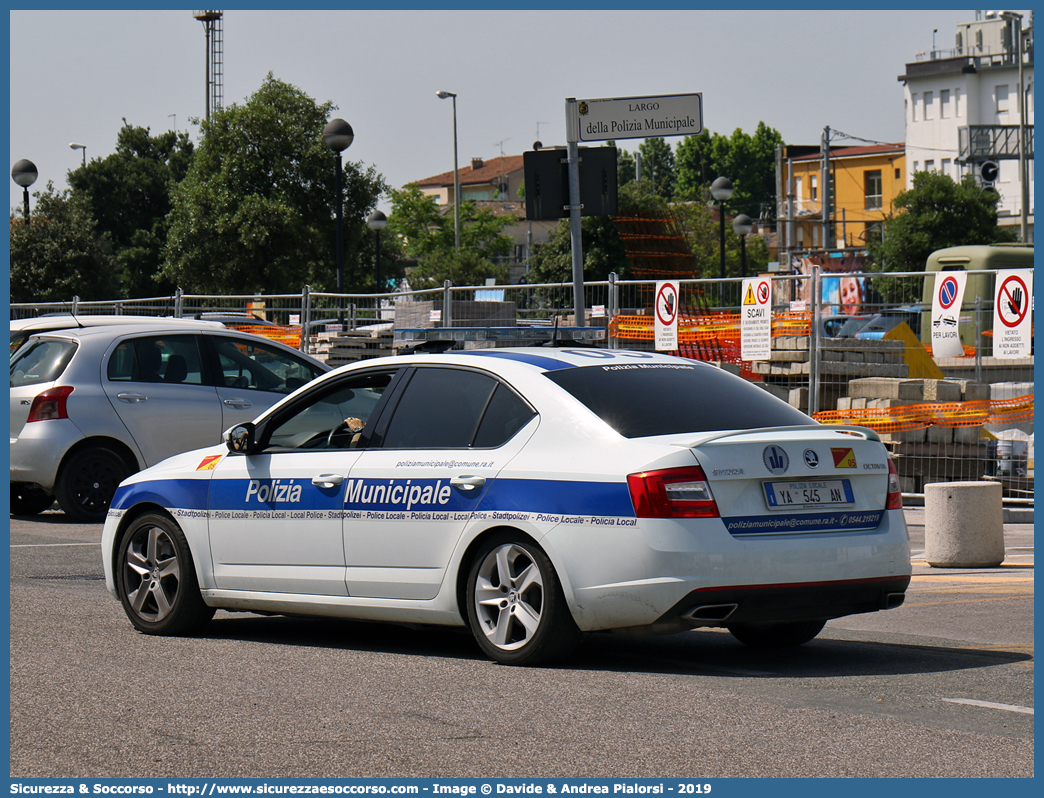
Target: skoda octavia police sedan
{"type": "Point", "coordinates": [530, 494]}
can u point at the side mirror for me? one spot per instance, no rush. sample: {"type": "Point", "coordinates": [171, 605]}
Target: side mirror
{"type": "Point", "coordinates": [240, 438]}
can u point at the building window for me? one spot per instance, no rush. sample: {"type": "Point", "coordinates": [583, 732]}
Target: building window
{"type": "Point", "coordinates": [929, 105]}
{"type": "Point", "coordinates": [913, 107]}
{"type": "Point", "coordinates": [945, 104]}
{"type": "Point", "coordinates": [898, 173]}
{"type": "Point", "coordinates": [929, 166]}
{"type": "Point", "coordinates": [798, 192]}
{"type": "Point", "coordinates": [872, 189]}
{"type": "Point", "coordinates": [946, 167]}
{"type": "Point", "coordinates": [813, 187]}
{"type": "Point", "coordinates": [1001, 94]}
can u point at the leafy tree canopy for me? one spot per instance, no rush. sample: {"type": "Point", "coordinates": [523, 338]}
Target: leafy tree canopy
{"type": "Point", "coordinates": [936, 213]}
{"type": "Point", "coordinates": [256, 210]}
{"type": "Point", "coordinates": [60, 254]}
{"type": "Point", "coordinates": [128, 193]}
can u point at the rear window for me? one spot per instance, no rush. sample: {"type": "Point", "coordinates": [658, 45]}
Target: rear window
{"type": "Point", "coordinates": [42, 361]}
{"type": "Point", "coordinates": [639, 400]}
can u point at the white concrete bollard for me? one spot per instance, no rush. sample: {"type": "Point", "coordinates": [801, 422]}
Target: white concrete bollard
{"type": "Point", "coordinates": [963, 524]}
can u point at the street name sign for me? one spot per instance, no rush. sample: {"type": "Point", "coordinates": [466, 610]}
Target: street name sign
{"type": "Point", "coordinates": [639, 117]}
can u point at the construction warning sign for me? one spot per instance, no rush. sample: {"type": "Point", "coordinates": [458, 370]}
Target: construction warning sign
{"type": "Point", "coordinates": [666, 324]}
{"type": "Point", "coordinates": [756, 320]}
{"type": "Point", "coordinates": [1012, 314]}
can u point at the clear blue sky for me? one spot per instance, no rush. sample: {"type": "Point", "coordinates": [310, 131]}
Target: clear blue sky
{"type": "Point", "coordinates": [75, 75]}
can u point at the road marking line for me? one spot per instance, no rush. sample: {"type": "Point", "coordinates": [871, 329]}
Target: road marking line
{"type": "Point", "coordinates": [48, 545]}
{"type": "Point", "coordinates": [990, 705]}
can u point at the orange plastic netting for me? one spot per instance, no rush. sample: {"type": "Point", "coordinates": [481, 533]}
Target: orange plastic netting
{"type": "Point", "coordinates": [936, 414]}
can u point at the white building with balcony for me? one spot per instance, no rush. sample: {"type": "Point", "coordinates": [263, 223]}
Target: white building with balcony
{"type": "Point", "coordinates": [962, 110]}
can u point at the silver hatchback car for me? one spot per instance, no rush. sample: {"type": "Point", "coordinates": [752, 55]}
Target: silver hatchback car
{"type": "Point", "coordinates": [91, 406]}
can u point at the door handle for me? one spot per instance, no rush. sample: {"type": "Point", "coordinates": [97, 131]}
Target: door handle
{"type": "Point", "coordinates": [131, 398]}
{"type": "Point", "coordinates": [468, 483]}
{"type": "Point", "coordinates": [237, 403]}
{"type": "Point", "coordinates": [327, 480]}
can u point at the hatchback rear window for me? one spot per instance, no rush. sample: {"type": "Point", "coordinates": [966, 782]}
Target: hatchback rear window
{"type": "Point", "coordinates": [42, 361]}
{"type": "Point", "coordinates": [644, 399]}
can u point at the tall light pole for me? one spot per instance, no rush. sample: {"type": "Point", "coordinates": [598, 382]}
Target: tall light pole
{"type": "Point", "coordinates": [377, 221]}
{"type": "Point", "coordinates": [741, 226]}
{"type": "Point", "coordinates": [1016, 20]}
{"type": "Point", "coordinates": [338, 136]}
{"type": "Point", "coordinates": [442, 95]}
{"type": "Point", "coordinates": [24, 174]}
{"type": "Point", "coordinates": [75, 146]}
{"type": "Point", "coordinates": [721, 190]}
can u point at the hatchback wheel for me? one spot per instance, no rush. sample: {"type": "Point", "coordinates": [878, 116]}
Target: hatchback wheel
{"type": "Point", "coordinates": [516, 608]}
{"type": "Point", "coordinates": [776, 635]}
{"type": "Point", "coordinates": [156, 578]}
{"type": "Point", "coordinates": [87, 482]}
{"type": "Point", "coordinates": [27, 500]}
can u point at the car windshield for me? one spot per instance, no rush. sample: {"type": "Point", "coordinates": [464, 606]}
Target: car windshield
{"type": "Point", "coordinates": [645, 399]}
{"type": "Point", "coordinates": [40, 361]}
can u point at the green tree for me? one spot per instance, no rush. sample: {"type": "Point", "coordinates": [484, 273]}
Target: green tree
{"type": "Point", "coordinates": [603, 252]}
{"type": "Point", "coordinates": [658, 166]}
{"type": "Point", "coordinates": [934, 213]}
{"type": "Point", "coordinates": [129, 195]}
{"type": "Point", "coordinates": [748, 161]}
{"type": "Point", "coordinates": [426, 234]}
{"type": "Point", "coordinates": [256, 210]}
{"type": "Point", "coordinates": [60, 253]}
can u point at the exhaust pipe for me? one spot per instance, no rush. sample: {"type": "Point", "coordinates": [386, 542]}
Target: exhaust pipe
{"type": "Point", "coordinates": [712, 612]}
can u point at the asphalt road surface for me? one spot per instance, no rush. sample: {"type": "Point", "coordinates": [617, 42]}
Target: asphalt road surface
{"type": "Point", "coordinates": [941, 687]}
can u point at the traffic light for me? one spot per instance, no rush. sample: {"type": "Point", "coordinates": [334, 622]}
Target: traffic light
{"type": "Point", "coordinates": [989, 171]}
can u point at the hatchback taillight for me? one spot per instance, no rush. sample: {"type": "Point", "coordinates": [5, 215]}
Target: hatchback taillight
{"type": "Point", "coordinates": [895, 494]}
{"type": "Point", "coordinates": [672, 493]}
{"type": "Point", "coordinates": [50, 404]}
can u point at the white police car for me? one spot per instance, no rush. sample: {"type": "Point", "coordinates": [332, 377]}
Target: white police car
{"type": "Point", "coordinates": [530, 494]}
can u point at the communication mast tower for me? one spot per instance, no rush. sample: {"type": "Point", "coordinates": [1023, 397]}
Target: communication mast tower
{"type": "Point", "coordinates": [215, 58]}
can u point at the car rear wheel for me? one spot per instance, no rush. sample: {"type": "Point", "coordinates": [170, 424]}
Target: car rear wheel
{"type": "Point", "coordinates": [87, 482]}
{"type": "Point", "coordinates": [28, 500]}
{"type": "Point", "coordinates": [156, 578]}
{"type": "Point", "coordinates": [516, 608]}
{"type": "Point", "coordinates": [776, 635]}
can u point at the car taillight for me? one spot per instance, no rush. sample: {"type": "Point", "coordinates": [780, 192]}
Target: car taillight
{"type": "Point", "coordinates": [50, 404]}
{"type": "Point", "coordinates": [672, 493]}
{"type": "Point", "coordinates": [895, 495]}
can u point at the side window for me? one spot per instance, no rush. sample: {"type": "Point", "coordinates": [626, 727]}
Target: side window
{"type": "Point", "coordinates": [440, 409]}
{"type": "Point", "coordinates": [505, 415]}
{"type": "Point", "coordinates": [42, 361]}
{"type": "Point", "coordinates": [157, 358]}
{"type": "Point", "coordinates": [256, 365]}
{"type": "Point", "coordinates": [328, 419]}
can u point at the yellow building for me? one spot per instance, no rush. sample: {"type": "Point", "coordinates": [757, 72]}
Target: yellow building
{"type": "Point", "coordinates": [864, 182]}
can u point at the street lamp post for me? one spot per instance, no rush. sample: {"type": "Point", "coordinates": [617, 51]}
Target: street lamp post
{"type": "Point", "coordinates": [721, 190]}
{"type": "Point", "coordinates": [24, 174]}
{"type": "Point", "coordinates": [1016, 20]}
{"type": "Point", "coordinates": [741, 226]}
{"type": "Point", "coordinates": [75, 146]}
{"type": "Point", "coordinates": [377, 221]}
{"type": "Point", "coordinates": [442, 95]}
{"type": "Point", "coordinates": [338, 136]}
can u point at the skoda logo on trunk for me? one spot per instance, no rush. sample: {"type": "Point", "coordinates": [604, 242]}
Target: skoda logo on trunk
{"type": "Point", "coordinates": [811, 458]}
{"type": "Point", "coordinates": [776, 460]}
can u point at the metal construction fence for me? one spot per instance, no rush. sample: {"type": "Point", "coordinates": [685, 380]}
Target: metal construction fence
{"type": "Point", "coordinates": [943, 419]}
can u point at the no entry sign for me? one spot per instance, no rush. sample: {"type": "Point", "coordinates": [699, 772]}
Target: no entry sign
{"type": "Point", "coordinates": [1012, 316]}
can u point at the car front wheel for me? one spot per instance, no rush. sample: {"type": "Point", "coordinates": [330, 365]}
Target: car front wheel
{"type": "Point", "coordinates": [87, 482]}
{"type": "Point", "coordinates": [516, 608]}
{"type": "Point", "coordinates": [156, 578]}
{"type": "Point", "coordinates": [776, 635]}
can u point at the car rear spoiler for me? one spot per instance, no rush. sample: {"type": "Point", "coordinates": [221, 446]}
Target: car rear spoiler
{"type": "Point", "coordinates": [863, 432]}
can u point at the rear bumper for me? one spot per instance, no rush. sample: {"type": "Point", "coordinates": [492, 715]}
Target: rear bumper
{"type": "Point", "coordinates": [721, 606]}
{"type": "Point", "coordinates": [38, 450]}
